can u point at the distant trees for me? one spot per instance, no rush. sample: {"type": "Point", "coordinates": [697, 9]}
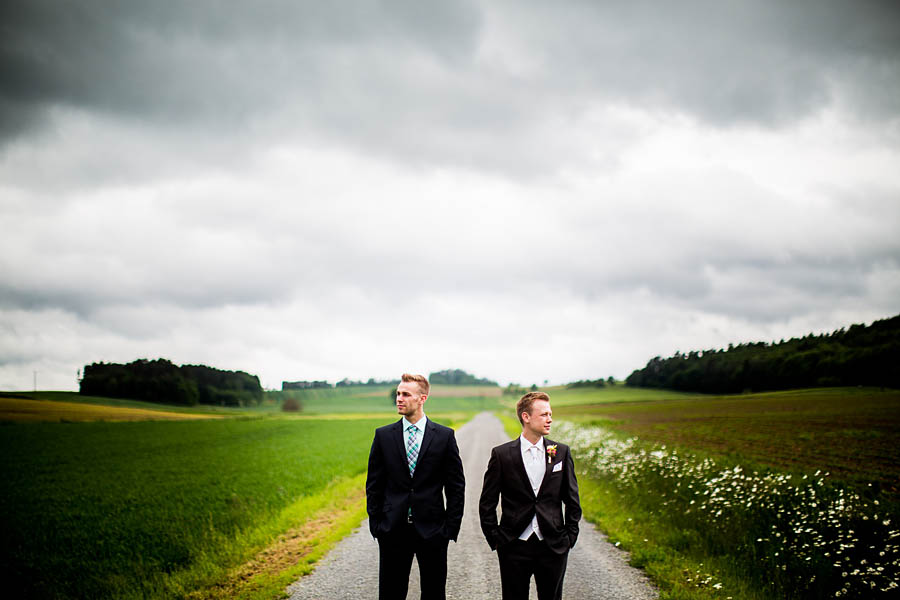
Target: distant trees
{"type": "Point", "coordinates": [371, 381]}
{"type": "Point", "coordinates": [345, 382]}
{"type": "Point", "coordinates": [224, 388]}
{"type": "Point", "coordinates": [303, 385]}
{"type": "Point", "coordinates": [446, 377]}
{"type": "Point", "coordinates": [859, 355]}
{"type": "Point", "coordinates": [457, 377]}
{"type": "Point", "coordinates": [514, 389]}
{"type": "Point", "coordinates": [162, 381]}
{"type": "Point", "coordinates": [585, 383]}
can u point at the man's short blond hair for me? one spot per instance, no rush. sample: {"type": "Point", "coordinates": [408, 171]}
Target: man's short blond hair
{"type": "Point", "coordinates": [525, 403]}
{"type": "Point", "coordinates": [424, 386]}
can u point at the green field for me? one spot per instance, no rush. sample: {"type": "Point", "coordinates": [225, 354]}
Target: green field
{"type": "Point", "coordinates": [158, 509]}
{"type": "Point", "coordinates": [764, 496]}
{"type": "Point", "coordinates": [199, 409]}
{"type": "Point", "coordinates": [172, 509]}
{"type": "Point", "coordinates": [350, 400]}
{"type": "Point", "coordinates": [853, 433]}
{"type": "Point", "coordinates": [155, 509]}
{"type": "Point", "coordinates": [25, 410]}
{"type": "Point", "coordinates": [612, 394]}
{"type": "Point", "coordinates": [378, 399]}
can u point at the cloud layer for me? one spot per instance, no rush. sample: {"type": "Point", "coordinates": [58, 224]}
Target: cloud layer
{"type": "Point", "coordinates": [527, 191]}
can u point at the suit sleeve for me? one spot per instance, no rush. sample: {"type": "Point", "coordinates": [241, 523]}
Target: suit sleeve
{"type": "Point", "coordinates": [569, 497]}
{"type": "Point", "coordinates": [487, 505]}
{"type": "Point", "coordinates": [454, 487]}
{"type": "Point", "coordinates": [376, 482]}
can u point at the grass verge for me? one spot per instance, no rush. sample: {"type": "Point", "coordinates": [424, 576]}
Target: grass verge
{"type": "Point", "coordinates": [510, 424]}
{"type": "Point", "coordinates": [311, 528]}
{"type": "Point", "coordinates": [666, 553]}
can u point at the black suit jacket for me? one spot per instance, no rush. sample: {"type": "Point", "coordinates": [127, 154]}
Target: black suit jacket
{"type": "Point", "coordinates": [506, 477]}
{"type": "Point", "coordinates": [391, 492]}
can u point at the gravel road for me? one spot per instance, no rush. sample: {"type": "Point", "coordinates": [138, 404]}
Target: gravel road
{"type": "Point", "coordinates": [596, 570]}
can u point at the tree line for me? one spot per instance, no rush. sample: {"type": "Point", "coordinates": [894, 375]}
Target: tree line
{"type": "Point", "coordinates": [163, 382]}
{"type": "Point", "coordinates": [591, 383]}
{"type": "Point", "coordinates": [457, 377]}
{"type": "Point", "coordinates": [859, 355]}
{"type": "Point", "coordinates": [371, 381]}
{"type": "Point", "coordinates": [514, 389]}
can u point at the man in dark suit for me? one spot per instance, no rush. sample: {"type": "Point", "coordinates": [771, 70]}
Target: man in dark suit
{"type": "Point", "coordinates": [535, 477]}
{"type": "Point", "coordinates": [413, 464]}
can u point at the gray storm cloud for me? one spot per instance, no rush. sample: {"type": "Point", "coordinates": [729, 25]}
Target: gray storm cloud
{"type": "Point", "coordinates": [478, 78]}
{"type": "Point", "coordinates": [563, 189]}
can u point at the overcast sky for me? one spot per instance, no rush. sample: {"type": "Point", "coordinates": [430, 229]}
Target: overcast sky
{"type": "Point", "coordinates": [526, 190]}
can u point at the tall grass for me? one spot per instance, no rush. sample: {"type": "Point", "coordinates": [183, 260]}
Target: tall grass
{"type": "Point", "coordinates": [793, 536]}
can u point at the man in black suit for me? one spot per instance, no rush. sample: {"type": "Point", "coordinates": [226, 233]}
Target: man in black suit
{"type": "Point", "coordinates": [535, 477]}
{"type": "Point", "coordinates": [413, 464]}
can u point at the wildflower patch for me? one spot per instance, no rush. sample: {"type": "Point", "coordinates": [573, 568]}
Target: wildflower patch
{"type": "Point", "coordinates": [800, 536]}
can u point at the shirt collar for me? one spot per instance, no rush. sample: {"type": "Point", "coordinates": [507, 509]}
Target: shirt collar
{"type": "Point", "coordinates": [524, 444]}
{"type": "Point", "coordinates": [420, 424]}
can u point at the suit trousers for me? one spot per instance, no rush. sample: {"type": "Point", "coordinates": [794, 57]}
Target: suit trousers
{"type": "Point", "coordinates": [520, 559]}
{"type": "Point", "coordinates": [395, 554]}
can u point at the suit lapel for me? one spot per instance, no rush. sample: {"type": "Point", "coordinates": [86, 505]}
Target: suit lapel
{"type": "Point", "coordinates": [397, 433]}
{"type": "Point", "coordinates": [515, 455]}
{"type": "Point", "coordinates": [547, 463]}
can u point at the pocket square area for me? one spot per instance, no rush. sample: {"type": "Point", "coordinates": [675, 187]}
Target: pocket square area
{"type": "Point", "coordinates": [557, 467]}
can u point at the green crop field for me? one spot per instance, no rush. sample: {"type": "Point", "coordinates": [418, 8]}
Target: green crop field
{"type": "Point", "coordinates": [350, 400]}
{"type": "Point", "coordinates": [853, 433]}
{"type": "Point", "coordinates": [776, 495]}
{"type": "Point", "coordinates": [26, 410]}
{"type": "Point", "coordinates": [613, 394]}
{"type": "Point", "coordinates": [378, 399]}
{"type": "Point", "coordinates": [76, 397]}
{"type": "Point", "coordinates": [155, 509]}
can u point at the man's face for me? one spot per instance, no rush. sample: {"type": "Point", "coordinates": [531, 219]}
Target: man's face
{"type": "Point", "coordinates": [409, 398]}
{"type": "Point", "coordinates": [539, 419]}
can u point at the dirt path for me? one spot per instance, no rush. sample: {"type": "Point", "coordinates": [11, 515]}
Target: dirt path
{"type": "Point", "coordinates": [597, 570]}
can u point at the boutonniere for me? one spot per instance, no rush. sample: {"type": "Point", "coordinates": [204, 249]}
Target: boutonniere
{"type": "Point", "coordinates": [551, 452]}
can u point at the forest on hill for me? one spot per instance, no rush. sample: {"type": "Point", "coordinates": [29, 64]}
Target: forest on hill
{"type": "Point", "coordinates": [859, 355]}
{"type": "Point", "coordinates": [164, 382]}
{"type": "Point", "coordinates": [457, 377]}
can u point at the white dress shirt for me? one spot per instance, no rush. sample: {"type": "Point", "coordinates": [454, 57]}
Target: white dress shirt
{"type": "Point", "coordinates": [533, 457]}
